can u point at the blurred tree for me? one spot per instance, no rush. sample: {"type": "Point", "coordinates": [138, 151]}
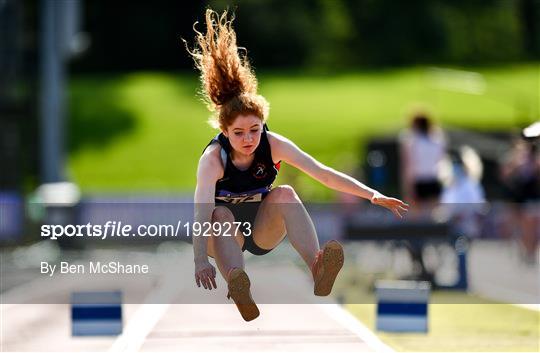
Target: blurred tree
{"type": "Point", "coordinates": [320, 34]}
{"type": "Point", "coordinates": [277, 33]}
{"type": "Point", "coordinates": [529, 13]}
{"type": "Point", "coordinates": [476, 33]}
{"type": "Point", "coordinates": [395, 32]}
{"type": "Point", "coordinates": [133, 35]}
{"type": "Point", "coordinates": [334, 33]}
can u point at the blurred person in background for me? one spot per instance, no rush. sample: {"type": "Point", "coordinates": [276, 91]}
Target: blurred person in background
{"type": "Point", "coordinates": [463, 195]}
{"type": "Point", "coordinates": [520, 175]}
{"type": "Point", "coordinates": [422, 149]}
{"type": "Point", "coordinates": [239, 166]}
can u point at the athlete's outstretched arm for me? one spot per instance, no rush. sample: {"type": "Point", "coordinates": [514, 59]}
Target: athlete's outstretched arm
{"type": "Point", "coordinates": [285, 150]}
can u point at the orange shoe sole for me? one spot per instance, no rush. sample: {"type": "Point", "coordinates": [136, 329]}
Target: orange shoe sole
{"type": "Point", "coordinates": [332, 262]}
{"type": "Point", "coordinates": [239, 285]}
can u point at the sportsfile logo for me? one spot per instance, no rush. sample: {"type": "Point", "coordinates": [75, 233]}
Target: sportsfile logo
{"type": "Point", "coordinates": [121, 230]}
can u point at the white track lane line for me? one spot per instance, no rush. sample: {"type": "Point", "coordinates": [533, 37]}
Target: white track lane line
{"type": "Point", "coordinates": [345, 318]}
{"type": "Point", "coordinates": [535, 307]}
{"type": "Point", "coordinates": [148, 314]}
{"type": "Point", "coordinates": [143, 321]}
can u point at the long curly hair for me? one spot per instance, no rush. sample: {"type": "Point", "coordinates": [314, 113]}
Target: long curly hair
{"type": "Point", "coordinates": [229, 85]}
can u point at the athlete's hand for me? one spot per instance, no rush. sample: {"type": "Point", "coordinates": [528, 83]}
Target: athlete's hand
{"type": "Point", "coordinates": [205, 273]}
{"type": "Point", "coordinates": [398, 207]}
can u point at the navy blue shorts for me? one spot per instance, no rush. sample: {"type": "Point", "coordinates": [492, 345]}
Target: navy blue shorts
{"type": "Point", "coordinates": [246, 212]}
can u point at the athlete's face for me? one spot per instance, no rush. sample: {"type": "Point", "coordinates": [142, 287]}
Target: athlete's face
{"type": "Point", "coordinates": [245, 133]}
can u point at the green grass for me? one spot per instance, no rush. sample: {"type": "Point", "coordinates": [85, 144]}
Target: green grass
{"type": "Point", "coordinates": [457, 321]}
{"type": "Point", "coordinates": [145, 131]}
{"type": "Point", "coordinates": [484, 327]}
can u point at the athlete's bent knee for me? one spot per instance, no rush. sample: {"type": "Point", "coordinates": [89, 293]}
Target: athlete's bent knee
{"type": "Point", "coordinates": [285, 194]}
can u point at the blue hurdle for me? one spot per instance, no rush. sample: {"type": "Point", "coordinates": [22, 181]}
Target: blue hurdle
{"type": "Point", "coordinates": [96, 313]}
{"type": "Point", "coordinates": [402, 306]}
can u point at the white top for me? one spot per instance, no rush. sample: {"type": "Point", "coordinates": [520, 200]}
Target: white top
{"type": "Point", "coordinates": [425, 154]}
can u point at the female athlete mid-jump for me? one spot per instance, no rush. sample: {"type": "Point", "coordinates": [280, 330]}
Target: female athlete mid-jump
{"type": "Point", "coordinates": [238, 167]}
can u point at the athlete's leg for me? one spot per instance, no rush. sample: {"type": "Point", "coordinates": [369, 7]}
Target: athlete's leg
{"type": "Point", "coordinates": [226, 250]}
{"type": "Point", "coordinates": [282, 213]}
